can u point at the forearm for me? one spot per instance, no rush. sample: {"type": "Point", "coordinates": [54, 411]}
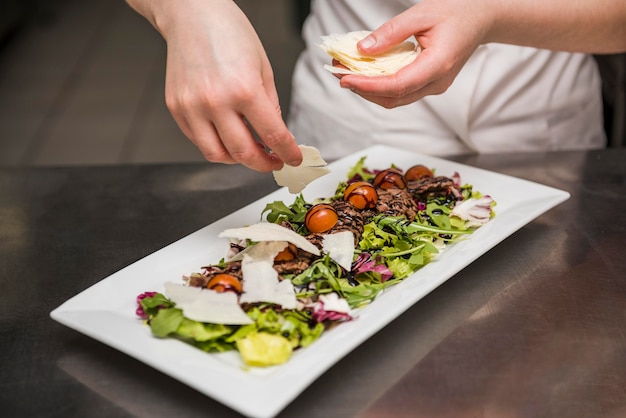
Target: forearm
{"type": "Point", "coordinates": [165, 15]}
{"type": "Point", "coordinates": [592, 26]}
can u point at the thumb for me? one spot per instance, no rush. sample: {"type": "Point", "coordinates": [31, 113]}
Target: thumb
{"type": "Point", "coordinates": [388, 35]}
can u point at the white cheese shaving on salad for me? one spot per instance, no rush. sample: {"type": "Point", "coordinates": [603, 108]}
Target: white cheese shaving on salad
{"type": "Point", "coordinates": [340, 247]}
{"type": "Point", "coordinates": [261, 284]}
{"type": "Point", "coordinates": [297, 178]}
{"type": "Point", "coordinates": [265, 250]}
{"type": "Point", "coordinates": [332, 302]}
{"type": "Point", "coordinates": [267, 231]}
{"type": "Point", "coordinates": [205, 305]}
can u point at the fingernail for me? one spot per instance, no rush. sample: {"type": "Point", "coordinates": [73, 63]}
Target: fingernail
{"type": "Point", "coordinates": [347, 87]}
{"type": "Point", "coordinates": [367, 42]}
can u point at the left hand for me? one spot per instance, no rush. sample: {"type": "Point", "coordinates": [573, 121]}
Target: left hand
{"type": "Point", "coordinates": [448, 31]}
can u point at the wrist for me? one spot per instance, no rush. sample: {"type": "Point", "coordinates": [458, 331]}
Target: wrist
{"type": "Point", "coordinates": [495, 22]}
{"type": "Point", "coordinates": [172, 17]}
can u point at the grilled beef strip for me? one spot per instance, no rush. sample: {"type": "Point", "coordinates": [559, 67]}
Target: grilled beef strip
{"type": "Point", "coordinates": [396, 202]}
{"type": "Point", "coordinates": [297, 265]}
{"type": "Point", "coordinates": [349, 219]}
{"type": "Point", "coordinates": [425, 187]}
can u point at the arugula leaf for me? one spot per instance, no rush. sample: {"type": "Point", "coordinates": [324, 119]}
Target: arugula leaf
{"type": "Point", "coordinates": [401, 225]}
{"type": "Point", "coordinates": [323, 268]}
{"type": "Point", "coordinates": [359, 170]}
{"type": "Point", "coordinates": [439, 214]}
{"type": "Point", "coordinates": [279, 211]}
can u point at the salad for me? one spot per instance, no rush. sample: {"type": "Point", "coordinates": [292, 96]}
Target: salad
{"type": "Point", "coordinates": [309, 266]}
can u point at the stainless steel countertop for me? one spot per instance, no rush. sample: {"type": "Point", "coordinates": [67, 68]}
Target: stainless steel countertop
{"type": "Point", "coordinates": [534, 328]}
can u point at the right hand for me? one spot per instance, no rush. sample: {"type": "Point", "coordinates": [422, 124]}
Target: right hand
{"type": "Point", "coordinates": [218, 81]}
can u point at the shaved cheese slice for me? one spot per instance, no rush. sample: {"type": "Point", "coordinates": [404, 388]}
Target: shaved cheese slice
{"type": "Point", "coordinates": [332, 302]}
{"type": "Point", "coordinates": [343, 48]}
{"type": "Point", "coordinates": [266, 250]}
{"type": "Point", "coordinates": [267, 231]}
{"type": "Point", "coordinates": [297, 178]}
{"type": "Point", "coordinates": [205, 305]}
{"type": "Point", "coordinates": [340, 247]}
{"type": "Point", "coordinates": [261, 284]}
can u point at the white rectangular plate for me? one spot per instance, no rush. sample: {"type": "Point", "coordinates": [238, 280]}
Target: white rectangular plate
{"type": "Point", "coordinates": [106, 311]}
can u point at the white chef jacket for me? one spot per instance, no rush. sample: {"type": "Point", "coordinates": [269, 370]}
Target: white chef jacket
{"type": "Point", "coordinates": [506, 98]}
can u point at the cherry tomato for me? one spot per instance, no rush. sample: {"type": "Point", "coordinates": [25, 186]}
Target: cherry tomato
{"type": "Point", "coordinates": [418, 171]}
{"type": "Point", "coordinates": [321, 218]}
{"type": "Point", "coordinates": [288, 253]}
{"type": "Point", "coordinates": [390, 178]}
{"type": "Point", "coordinates": [224, 282]}
{"type": "Point", "coordinates": [361, 195]}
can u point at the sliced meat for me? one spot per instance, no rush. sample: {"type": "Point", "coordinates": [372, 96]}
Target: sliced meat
{"type": "Point", "coordinates": [430, 186]}
{"type": "Point", "coordinates": [349, 219]}
{"type": "Point", "coordinates": [295, 266]}
{"type": "Point", "coordinates": [396, 202]}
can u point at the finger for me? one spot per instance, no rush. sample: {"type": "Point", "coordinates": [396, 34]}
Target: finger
{"type": "Point", "coordinates": [394, 86]}
{"type": "Point", "coordinates": [337, 64]}
{"type": "Point", "coordinates": [239, 142]}
{"type": "Point", "coordinates": [265, 117]}
{"type": "Point", "coordinates": [390, 33]}
{"type": "Point", "coordinates": [399, 97]}
{"type": "Point", "coordinates": [390, 102]}
{"type": "Point", "coordinates": [209, 142]}
{"type": "Point", "coordinates": [422, 77]}
{"type": "Point", "coordinates": [204, 136]}
{"type": "Point", "coordinates": [289, 153]}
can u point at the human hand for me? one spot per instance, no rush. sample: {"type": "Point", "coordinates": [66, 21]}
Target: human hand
{"type": "Point", "coordinates": [219, 83]}
{"type": "Point", "coordinates": [448, 31]}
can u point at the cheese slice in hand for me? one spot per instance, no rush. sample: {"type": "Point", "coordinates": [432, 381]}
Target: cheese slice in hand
{"type": "Point", "coordinates": [297, 178]}
{"type": "Point", "coordinates": [343, 48]}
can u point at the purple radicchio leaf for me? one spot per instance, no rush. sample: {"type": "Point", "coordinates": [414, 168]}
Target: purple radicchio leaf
{"type": "Point", "coordinates": [364, 263]}
{"type": "Point", "coordinates": [140, 312]}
